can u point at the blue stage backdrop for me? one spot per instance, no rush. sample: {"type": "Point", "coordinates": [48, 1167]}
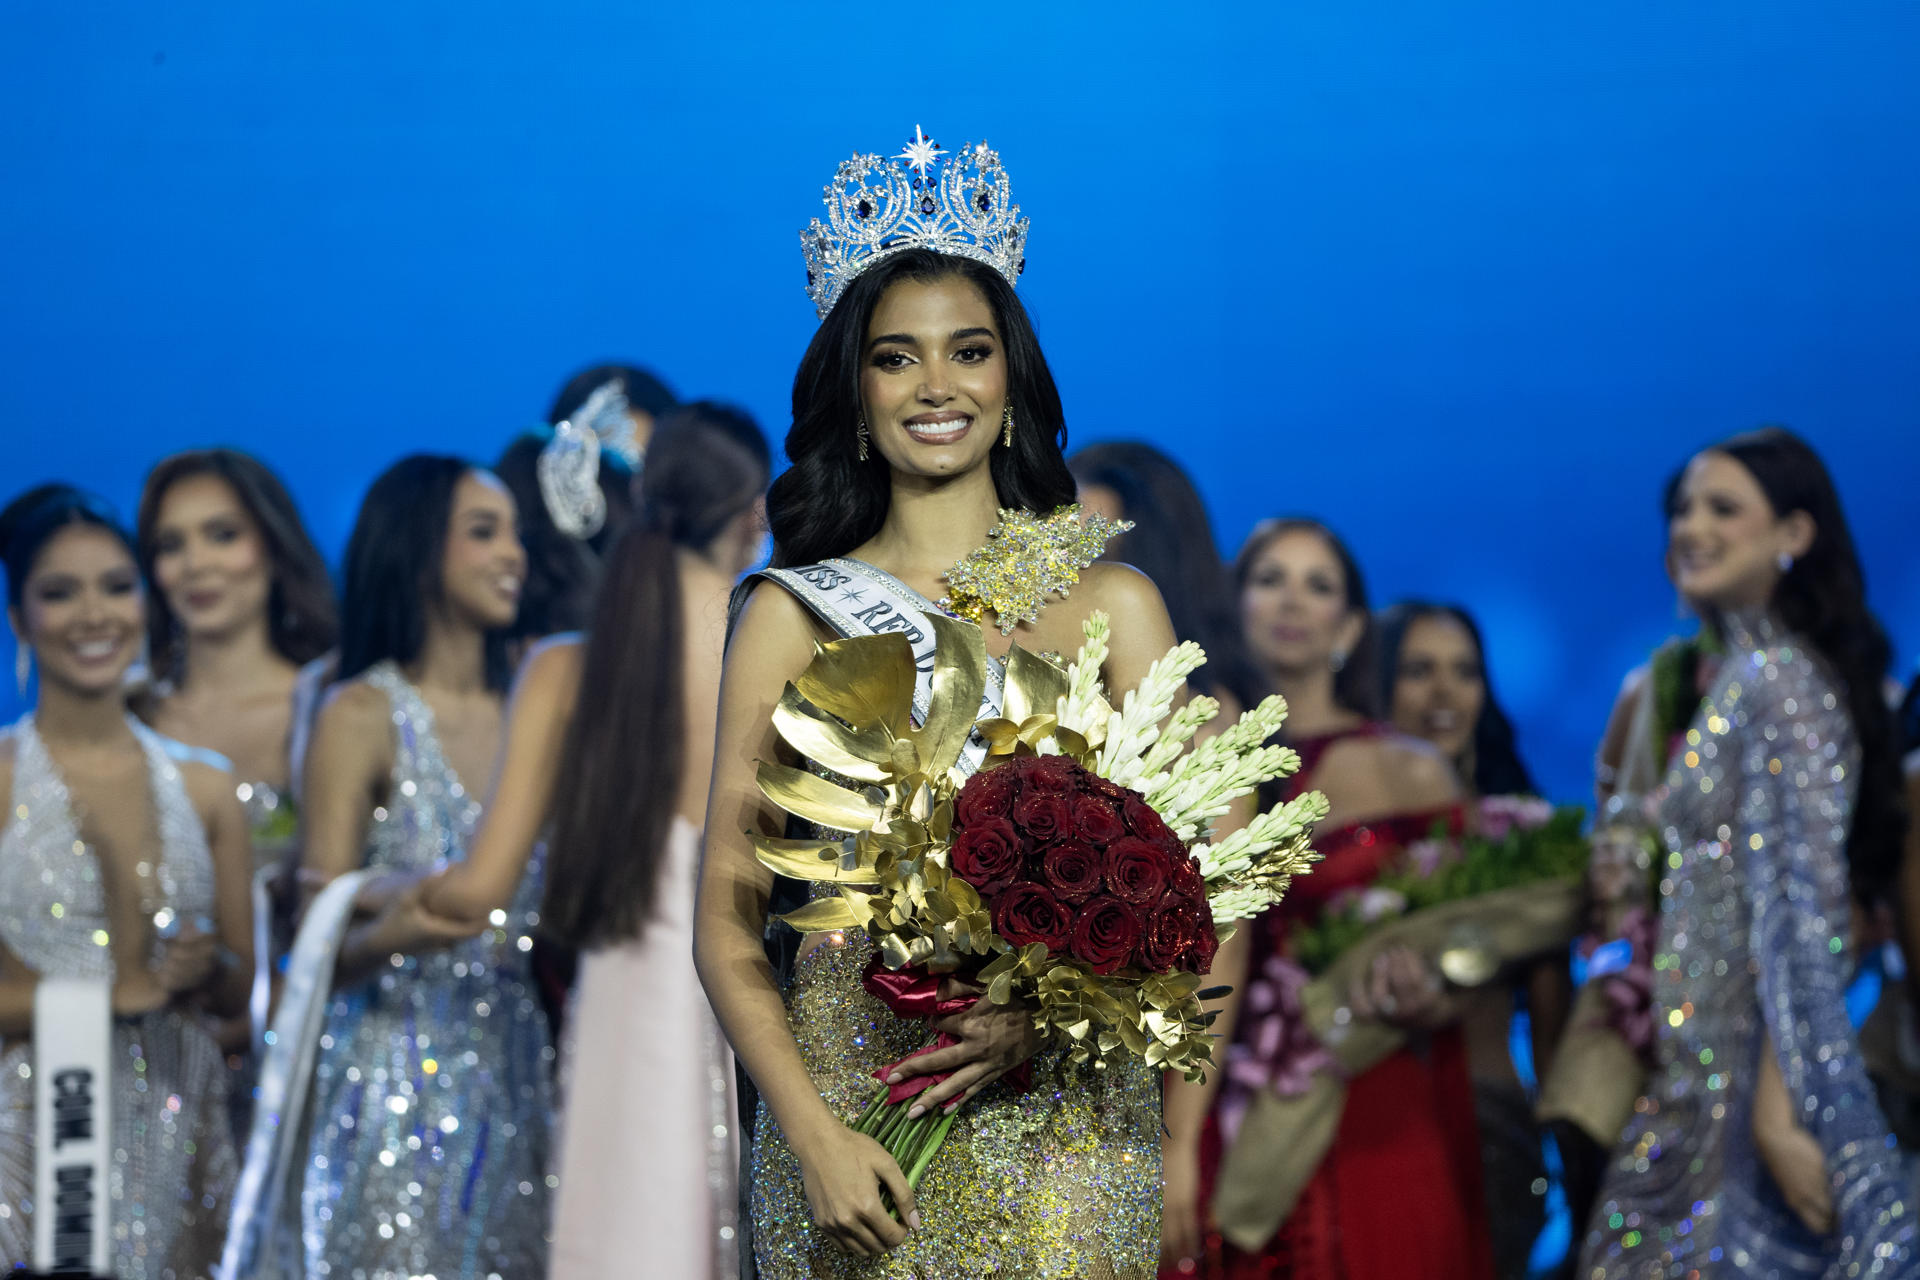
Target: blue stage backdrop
{"type": "Point", "coordinates": [1468, 280]}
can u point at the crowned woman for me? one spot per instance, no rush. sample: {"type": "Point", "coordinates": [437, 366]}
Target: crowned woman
{"type": "Point", "coordinates": [927, 467]}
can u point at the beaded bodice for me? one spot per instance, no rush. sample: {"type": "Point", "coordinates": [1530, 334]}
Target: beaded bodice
{"type": "Point", "coordinates": [53, 908]}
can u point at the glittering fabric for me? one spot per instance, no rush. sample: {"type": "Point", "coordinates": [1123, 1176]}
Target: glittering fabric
{"type": "Point", "coordinates": [1060, 1182]}
{"type": "Point", "coordinates": [173, 1161]}
{"type": "Point", "coordinates": [1027, 558]}
{"type": "Point", "coordinates": [432, 1109]}
{"type": "Point", "coordinates": [1753, 948]}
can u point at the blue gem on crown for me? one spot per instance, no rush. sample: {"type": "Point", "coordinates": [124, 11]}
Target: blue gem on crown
{"type": "Point", "coordinates": [926, 197]}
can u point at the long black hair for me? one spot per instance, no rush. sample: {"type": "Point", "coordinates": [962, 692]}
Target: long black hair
{"type": "Point", "coordinates": [37, 516]}
{"type": "Point", "coordinates": [1823, 597]}
{"type": "Point", "coordinates": [1497, 767]}
{"type": "Point", "coordinates": [1356, 685]}
{"type": "Point", "coordinates": [303, 621]}
{"type": "Point", "coordinates": [621, 754]}
{"type": "Point", "coordinates": [392, 574]}
{"type": "Point", "coordinates": [1172, 543]}
{"type": "Point", "coordinates": [828, 501]}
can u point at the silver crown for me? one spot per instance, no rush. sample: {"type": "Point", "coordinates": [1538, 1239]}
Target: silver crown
{"type": "Point", "coordinates": [569, 464]}
{"type": "Point", "coordinates": [924, 198]}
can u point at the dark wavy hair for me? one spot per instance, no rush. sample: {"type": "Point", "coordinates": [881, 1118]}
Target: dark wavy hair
{"type": "Point", "coordinates": [392, 572]}
{"type": "Point", "coordinates": [644, 390]}
{"type": "Point", "coordinates": [1356, 685]}
{"type": "Point", "coordinates": [37, 516]}
{"type": "Point", "coordinates": [563, 571]}
{"type": "Point", "coordinates": [1497, 767]}
{"type": "Point", "coordinates": [1172, 543]}
{"type": "Point", "coordinates": [303, 621]}
{"type": "Point", "coordinates": [1823, 598]}
{"type": "Point", "coordinates": [828, 502]}
{"type": "Point", "coordinates": [621, 754]}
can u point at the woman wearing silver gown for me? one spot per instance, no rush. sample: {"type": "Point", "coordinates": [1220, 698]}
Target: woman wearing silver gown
{"type": "Point", "coordinates": [1758, 1149]}
{"type": "Point", "coordinates": [123, 859]}
{"type": "Point", "coordinates": [431, 1108]}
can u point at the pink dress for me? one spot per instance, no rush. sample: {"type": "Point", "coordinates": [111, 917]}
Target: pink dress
{"type": "Point", "coordinates": [648, 1150]}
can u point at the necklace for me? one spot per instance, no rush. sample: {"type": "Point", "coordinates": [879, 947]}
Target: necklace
{"type": "Point", "coordinates": [1026, 558]}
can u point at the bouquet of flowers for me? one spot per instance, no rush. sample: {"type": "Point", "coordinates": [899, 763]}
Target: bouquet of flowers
{"type": "Point", "coordinates": [1071, 873]}
{"type": "Point", "coordinates": [1510, 842]}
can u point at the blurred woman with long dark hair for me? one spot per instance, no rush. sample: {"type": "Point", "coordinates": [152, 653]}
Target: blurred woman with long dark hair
{"type": "Point", "coordinates": [240, 602]}
{"type": "Point", "coordinates": [1400, 1177]}
{"type": "Point", "coordinates": [1759, 1145]}
{"type": "Point", "coordinates": [425, 1146]}
{"type": "Point", "coordinates": [1435, 685]}
{"type": "Point", "coordinates": [609, 739]}
{"type": "Point", "coordinates": [123, 861]}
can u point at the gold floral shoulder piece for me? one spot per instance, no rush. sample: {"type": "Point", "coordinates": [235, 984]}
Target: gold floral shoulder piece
{"type": "Point", "coordinates": [1027, 558]}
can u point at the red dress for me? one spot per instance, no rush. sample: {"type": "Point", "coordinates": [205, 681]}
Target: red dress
{"type": "Point", "coordinates": [1399, 1194]}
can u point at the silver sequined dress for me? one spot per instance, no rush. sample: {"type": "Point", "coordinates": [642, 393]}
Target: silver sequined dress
{"type": "Point", "coordinates": [1754, 947]}
{"type": "Point", "coordinates": [173, 1160]}
{"type": "Point", "coordinates": [432, 1110]}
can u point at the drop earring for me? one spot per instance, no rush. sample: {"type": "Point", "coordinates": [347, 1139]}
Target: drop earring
{"type": "Point", "coordinates": [1785, 561]}
{"type": "Point", "coordinates": [1006, 427]}
{"type": "Point", "coordinates": [1337, 660]}
{"type": "Point", "coordinates": [860, 438]}
{"type": "Point", "coordinates": [22, 664]}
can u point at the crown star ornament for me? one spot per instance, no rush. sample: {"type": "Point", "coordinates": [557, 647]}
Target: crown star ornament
{"type": "Point", "coordinates": [926, 197]}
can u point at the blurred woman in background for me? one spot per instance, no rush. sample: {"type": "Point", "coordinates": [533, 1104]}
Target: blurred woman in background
{"type": "Point", "coordinates": [1433, 672]}
{"type": "Point", "coordinates": [1401, 1178]}
{"type": "Point", "coordinates": [1759, 1141]}
{"type": "Point", "coordinates": [156, 903]}
{"type": "Point", "coordinates": [427, 1151]}
{"type": "Point", "coordinates": [649, 1154]}
{"type": "Point", "coordinates": [240, 602]}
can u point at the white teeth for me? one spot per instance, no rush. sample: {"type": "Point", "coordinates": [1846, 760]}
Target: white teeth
{"type": "Point", "coordinates": [1443, 719]}
{"type": "Point", "coordinates": [96, 649]}
{"type": "Point", "coordinates": [938, 428]}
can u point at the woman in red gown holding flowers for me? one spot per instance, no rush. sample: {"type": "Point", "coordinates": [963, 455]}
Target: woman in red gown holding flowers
{"type": "Point", "coordinates": [1400, 1180]}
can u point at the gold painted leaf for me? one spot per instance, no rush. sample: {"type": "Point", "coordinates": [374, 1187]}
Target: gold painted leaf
{"type": "Point", "coordinates": [816, 799]}
{"type": "Point", "coordinates": [1034, 686]}
{"type": "Point", "coordinates": [822, 915]}
{"type": "Point", "coordinates": [959, 680]}
{"type": "Point", "coordinates": [858, 753]}
{"type": "Point", "coordinates": [865, 680]}
{"type": "Point", "coordinates": [809, 860]}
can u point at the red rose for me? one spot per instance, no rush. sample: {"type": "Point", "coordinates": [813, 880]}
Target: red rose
{"type": "Point", "coordinates": [1113, 791]}
{"type": "Point", "coordinates": [988, 794]}
{"type": "Point", "coordinates": [1028, 913]}
{"type": "Point", "coordinates": [1186, 879]}
{"type": "Point", "coordinates": [1205, 942]}
{"type": "Point", "coordinates": [1137, 871]}
{"type": "Point", "coordinates": [986, 854]}
{"type": "Point", "coordinates": [1072, 869]}
{"type": "Point", "coordinates": [1051, 776]}
{"type": "Point", "coordinates": [1145, 823]}
{"type": "Point", "coordinates": [1105, 935]}
{"type": "Point", "coordinates": [1169, 934]}
{"type": "Point", "coordinates": [1042, 817]}
{"type": "Point", "coordinates": [1098, 822]}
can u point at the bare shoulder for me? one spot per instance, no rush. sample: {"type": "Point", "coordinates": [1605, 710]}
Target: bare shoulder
{"type": "Point", "coordinates": [208, 777]}
{"type": "Point", "coordinates": [352, 705]}
{"type": "Point", "coordinates": [1411, 772]}
{"type": "Point", "coordinates": [773, 625]}
{"type": "Point", "coordinates": [551, 670]}
{"type": "Point", "coordinates": [9, 748]}
{"type": "Point", "coordinates": [1120, 589]}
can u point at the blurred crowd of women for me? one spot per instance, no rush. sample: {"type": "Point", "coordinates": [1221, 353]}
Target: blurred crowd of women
{"type": "Point", "coordinates": [394, 872]}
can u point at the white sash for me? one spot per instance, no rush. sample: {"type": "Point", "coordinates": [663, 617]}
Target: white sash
{"type": "Point", "coordinates": [856, 599]}
{"type": "Point", "coordinates": [73, 1117]}
{"type": "Point", "coordinates": [276, 1146]}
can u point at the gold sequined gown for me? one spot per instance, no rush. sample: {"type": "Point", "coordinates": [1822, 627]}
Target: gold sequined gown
{"type": "Point", "coordinates": [1753, 951]}
{"type": "Point", "coordinates": [1062, 1182]}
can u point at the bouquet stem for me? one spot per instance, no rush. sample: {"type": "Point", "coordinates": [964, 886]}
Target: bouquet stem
{"type": "Point", "coordinates": [912, 1142]}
